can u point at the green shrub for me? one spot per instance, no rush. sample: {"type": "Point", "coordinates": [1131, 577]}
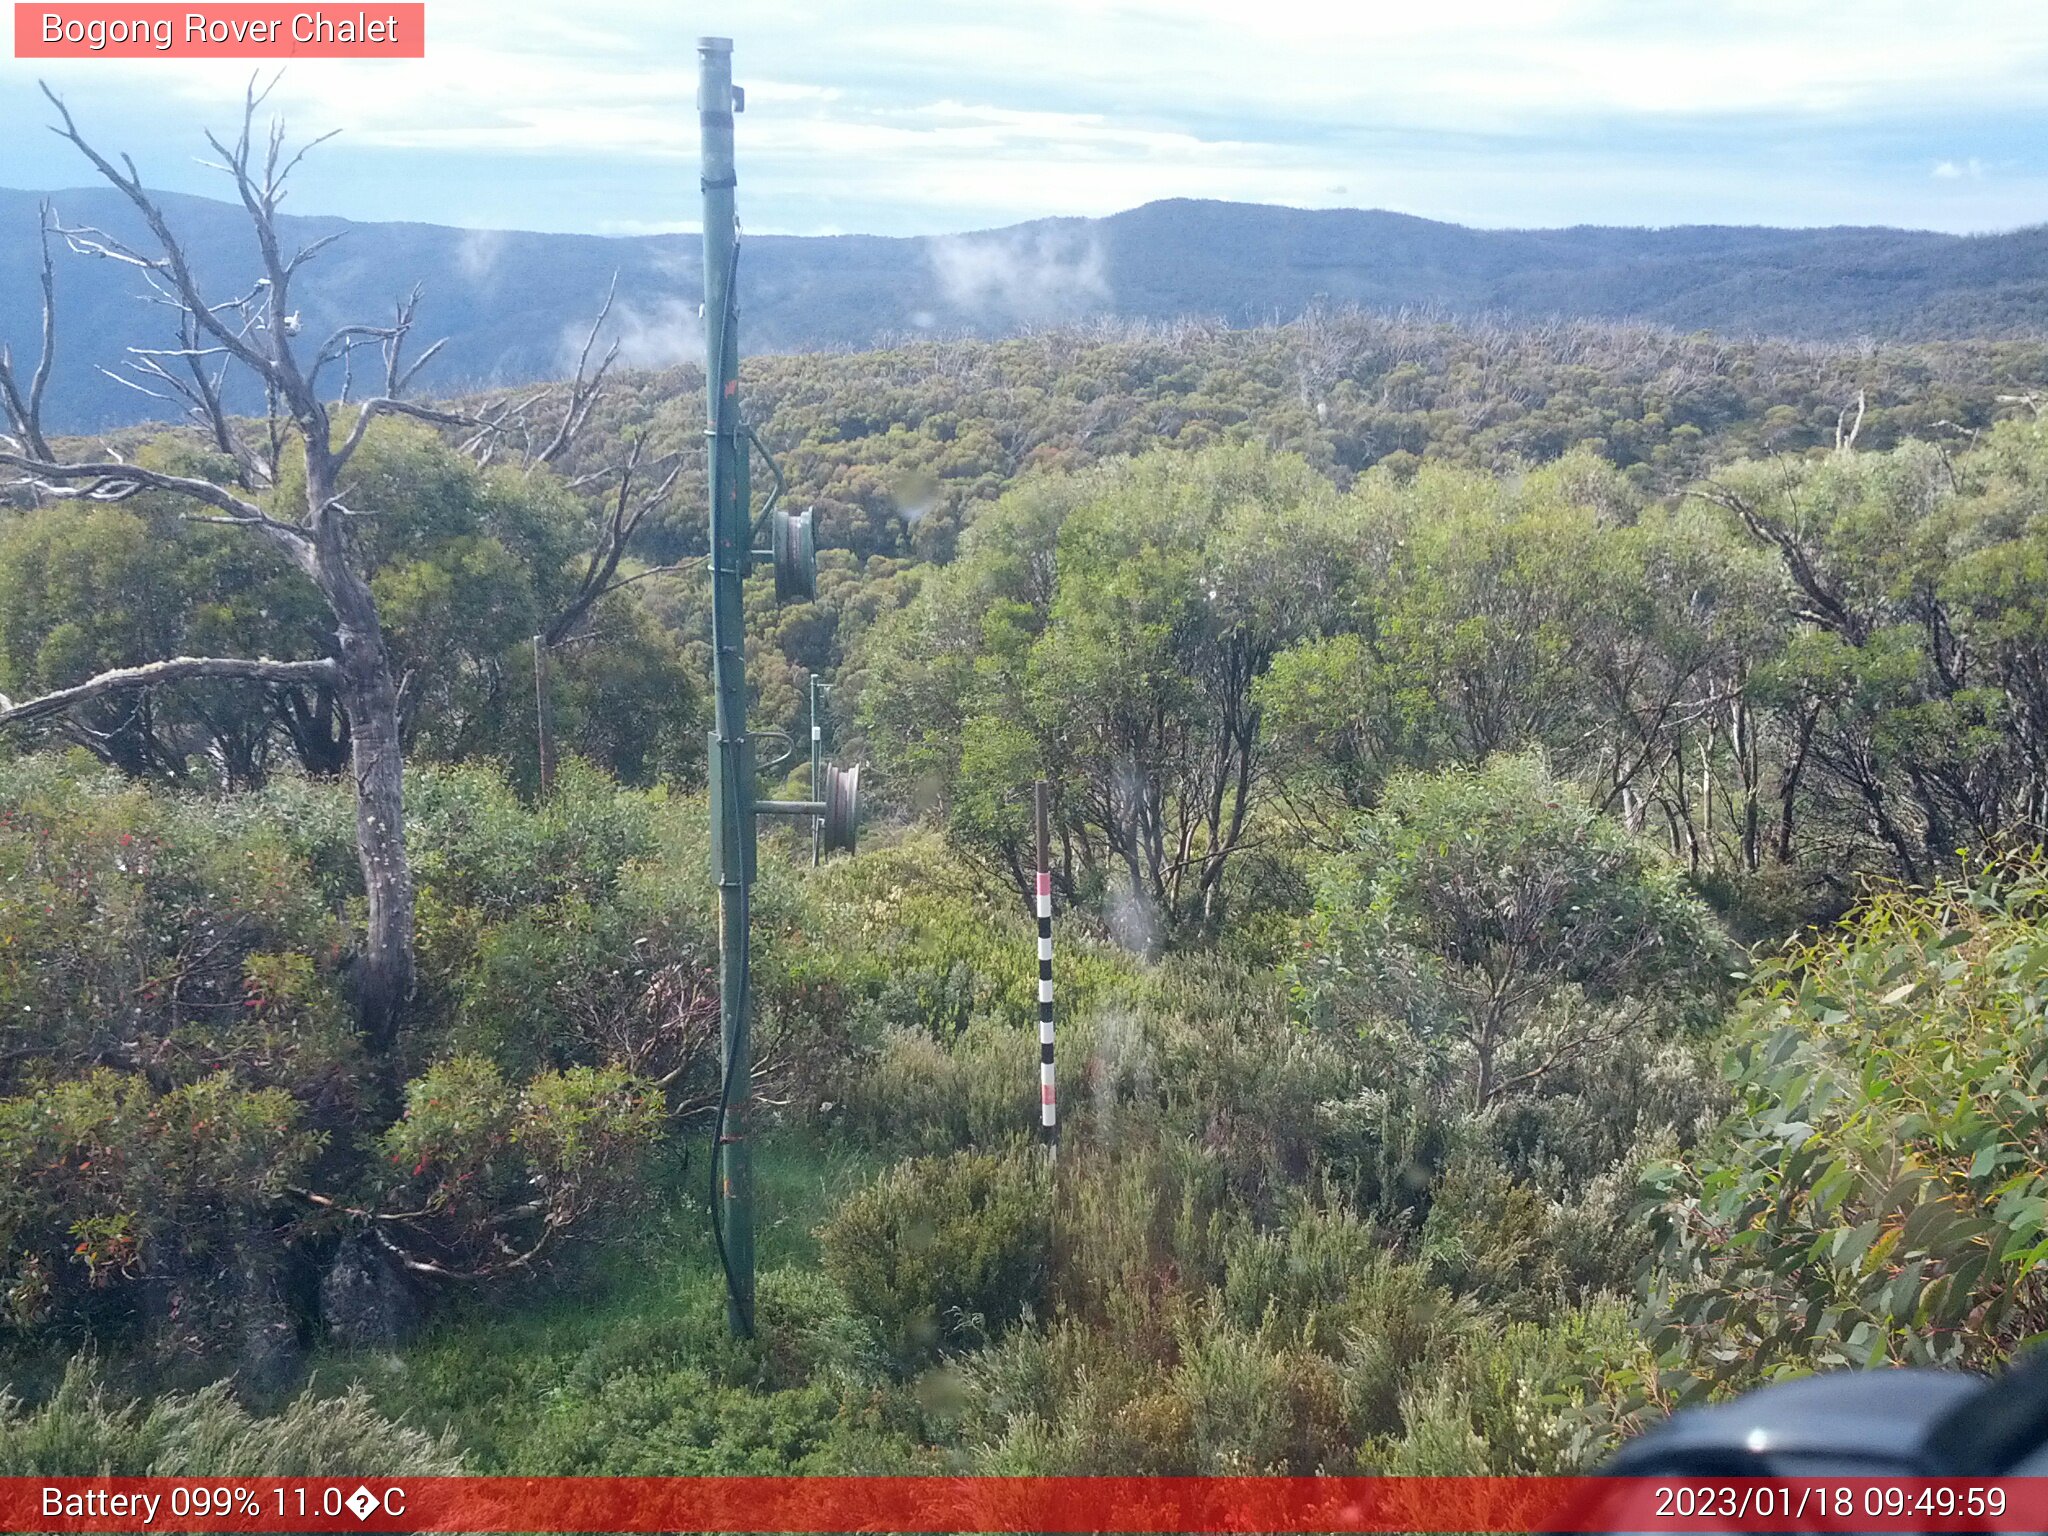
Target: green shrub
{"type": "Point", "coordinates": [680, 1424]}
{"type": "Point", "coordinates": [1255, 1406]}
{"type": "Point", "coordinates": [1203, 1052]}
{"type": "Point", "coordinates": [1527, 1400]}
{"type": "Point", "coordinates": [1143, 1228]}
{"type": "Point", "coordinates": [178, 1058]}
{"type": "Point", "coordinates": [1491, 930]}
{"type": "Point", "coordinates": [1328, 1280]}
{"type": "Point", "coordinates": [907, 936]}
{"type": "Point", "coordinates": [943, 1251]}
{"type": "Point", "coordinates": [109, 1189]}
{"type": "Point", "coordinates": [934, 1095]}
{"type": "Point", "coordinates": [1054, 1402]}
{"type": "Point", "coordinates": [1879, 1193]}
{"type": "Point", "coordinates": [141, 928]}
{"type": "Point", "coordinates": [810, 1332]}
{"type": "Point", "coordinates": [493, 1174]}
{"type": "Point", "coordinates": [1069, 1402]}
{"type": "Point", "coordinates": [85, 1430]}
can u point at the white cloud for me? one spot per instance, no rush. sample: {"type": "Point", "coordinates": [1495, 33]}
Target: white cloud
{"type": "Point", "coordinates": [668, 332]}
{"type": "Point", "coordinates": [622, 76]}
{"type": "Point", "coordinates": [478, 252]}
{"type": "Point", "coordinates": [951, 115]}
{"type": "Point", "coordinates": [1034, 275]}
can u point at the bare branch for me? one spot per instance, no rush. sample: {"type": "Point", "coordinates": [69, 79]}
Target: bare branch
{"type": "Point", "coordinates": [384, 405]}
{"type": "Point", "coordinates": [656, 570]}
{"type": "Point", "coordinates": [626, 514]}
{"type": "Point", "coordinates": [25, 411]}
{"type": "Point", "coordinates": [140, 389]}
{"type": "Point", "coordinates": [171, 264]}
{"type": "Point", "coordinates": [412, 370]}
{"type": "Point", "coordinates": [113, 480]}
{"type": "Point", "coordinates": [583, 392]}
{"type": "Point", "coordinates": [176, 669]}
{"type": "Point", "coordinates": [1845, 433]}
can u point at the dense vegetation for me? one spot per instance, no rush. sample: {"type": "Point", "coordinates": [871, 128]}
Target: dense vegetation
{"type": "Point", "coordinates": [1550, 927]}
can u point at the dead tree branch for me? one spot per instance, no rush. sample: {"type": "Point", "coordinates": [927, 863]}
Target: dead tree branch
{"type": "Point", "coordinates": [583, 391]}
{"type": "Point", "coordinates": [626, 511]}
{"type": "Point", "coordinates": [177, 669]}
{"type": "Point", "coordinates": [25, 408]}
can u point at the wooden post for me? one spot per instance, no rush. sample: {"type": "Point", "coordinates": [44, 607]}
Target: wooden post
{"type": "Point", "coordinates": [543, 711]}
{"type": "Point", "coordinates": [1048, 1100]}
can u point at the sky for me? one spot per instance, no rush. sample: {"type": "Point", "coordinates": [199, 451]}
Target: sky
{"type": "Point", "coordinates": [891, 117]}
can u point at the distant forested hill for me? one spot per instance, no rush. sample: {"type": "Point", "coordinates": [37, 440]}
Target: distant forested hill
{"type": "Point", "coordinates": [514, 305]}
{"type": "Point", "coordinates": [899, 447]}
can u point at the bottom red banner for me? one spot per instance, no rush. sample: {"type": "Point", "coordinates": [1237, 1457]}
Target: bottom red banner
{"type": "Point", "coordinates": [1005, 1504]}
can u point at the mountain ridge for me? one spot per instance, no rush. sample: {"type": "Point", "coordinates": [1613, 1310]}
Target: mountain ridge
{"type": "Point", "coordinates": [515, 304]}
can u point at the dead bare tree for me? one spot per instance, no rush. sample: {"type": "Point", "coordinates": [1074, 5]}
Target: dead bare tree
{"type": "Point", "coordinates": [1846, 431]}
{"type": "Point", "coordinates": [255, 331]}
{"type": "Point", "coordinates": [349, 702]}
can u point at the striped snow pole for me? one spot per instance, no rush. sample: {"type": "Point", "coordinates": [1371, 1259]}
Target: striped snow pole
{"type": "Point", "coordinates": [1048, 1101]}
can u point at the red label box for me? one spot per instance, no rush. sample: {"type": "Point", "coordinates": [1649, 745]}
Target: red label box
{"type": "Point", "coordinates": [380, 29]}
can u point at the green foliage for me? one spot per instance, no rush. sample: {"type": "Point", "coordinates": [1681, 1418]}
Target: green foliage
{"type": "Point", "coordinates": [1106, 632]}
{"type": "Point", "coordinates": [1877, 1196]}
{"type": "Point", "coordinates": [487, 1171]}
{"type": "Point", "coordinates": [184, 1107]}
{"type": "Point", "coordinates": [944, 1251]}
{"type": "Point", "coordinates": [1192, 1343]}
{"type": "Point", "coordinates": [1375, 996]}
{"type": "Point", "coordinates": [107, 1179]}
{"type": "Point", "coordinates": [1491, 928]}
{"type": "Point", "coordinates": [909, 935]}
{"type": "Point", "coordinates": [161, 930]}
{"type": "Point", "coordinates": [85, 589]}
{"type": "Point", "coordinates": [86, 1430]}
{"type": "Point", "coordinates": [467, 565]}
{"type": "Point", "coordinates": [174, 1051]}
{"type": "Point", "coordinates": [1527, 1401]}
{"type": "Point", "coordinates": [681, 1423]}
{"type": "Point", "coordinates": [934, 1095]}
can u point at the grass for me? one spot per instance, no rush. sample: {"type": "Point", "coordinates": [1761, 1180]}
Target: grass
{"type": "Point", "coordinates": [489, 1369]}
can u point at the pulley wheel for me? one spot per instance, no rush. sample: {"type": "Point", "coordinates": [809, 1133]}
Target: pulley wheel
{"type": "Point", "coordinates": [842, 807]}
{"type": "Point", "coordinates": [795, 541]}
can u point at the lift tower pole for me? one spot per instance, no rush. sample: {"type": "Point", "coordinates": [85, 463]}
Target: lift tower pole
{"type": "Point", "coordinates": [732, 779]}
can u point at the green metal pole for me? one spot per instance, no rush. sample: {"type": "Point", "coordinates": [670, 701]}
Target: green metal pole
{"type": "Point", "coordinates": [732, 800]}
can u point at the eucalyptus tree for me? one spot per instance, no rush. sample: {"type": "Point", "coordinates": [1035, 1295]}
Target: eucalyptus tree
{"type": "Point", "coordinates": [1493, 931]}
{"type": "Point", "coordinates": [1909, 685]}
{"type": "Point", "coordinates": [1108, 631]}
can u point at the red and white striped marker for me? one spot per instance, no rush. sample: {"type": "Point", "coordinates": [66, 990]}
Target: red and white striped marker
{"type": "Point", "coordinates": [1048, 1099]}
